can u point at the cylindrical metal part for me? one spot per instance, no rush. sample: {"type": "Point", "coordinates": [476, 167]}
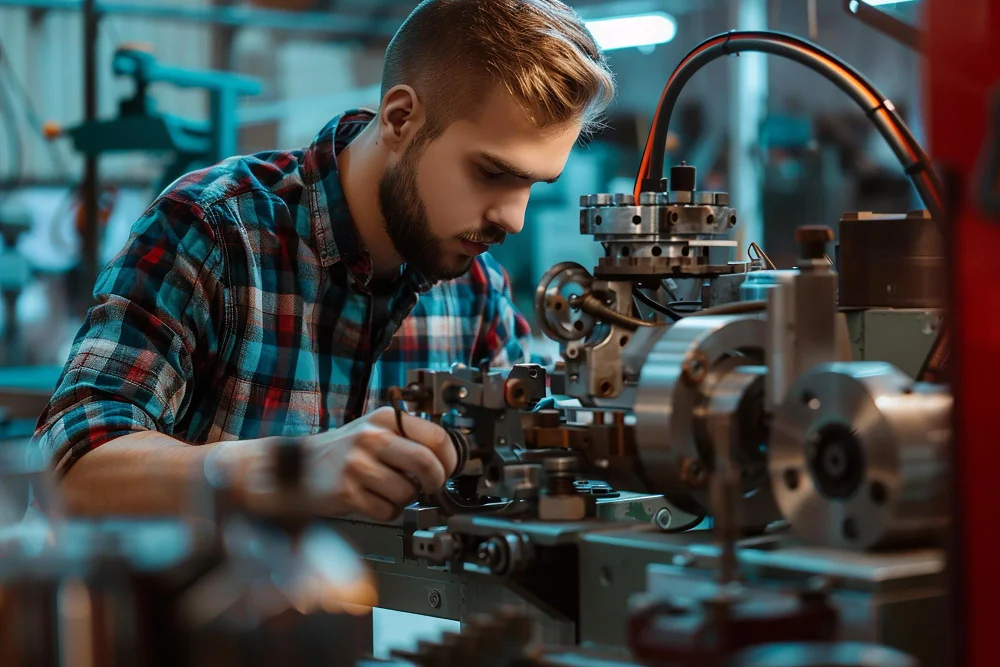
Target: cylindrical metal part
{"type": "Point", "coordinates": [674, 397]}
{"type": "Point", "coordinates": [683, 177]}
{"type": "Point", "coordinates": [858, 457]}
{"type": "Point", "coordinates": [812, 240]}
{"type": "Point", "coordinates": [560, 475]}
{"type": "Point", "coordinates": [891, 261]}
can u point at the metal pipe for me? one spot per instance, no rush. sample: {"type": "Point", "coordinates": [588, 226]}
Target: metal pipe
{"type": "Point", "coordinates": [876, 106]}
{"type": "Point", "coordinates": [887, 24]}
{"type": "Point", "coordinates": [91, 173]}
{"type": "Point", "coordinates": [592, 305]}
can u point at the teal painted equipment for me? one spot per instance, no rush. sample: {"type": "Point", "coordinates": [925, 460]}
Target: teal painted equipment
{"type": "Point", "coordinates": [139, 127]}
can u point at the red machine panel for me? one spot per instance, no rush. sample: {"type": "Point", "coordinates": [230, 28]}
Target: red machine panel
{"type": "Point", "coordinates": [962, 93]}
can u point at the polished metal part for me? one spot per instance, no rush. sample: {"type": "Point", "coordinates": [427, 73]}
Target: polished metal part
{"type": "Point", "coordinates": [677, 418]}
{"type": "Point", "coordinates": [552, 296]}
{"type": "Point", "coordinates": [595, 367]}
{"type": "Point", "coordinates": [666, 234]}
{"type": "Point", "coordinates": [858, 457]}
{"type": "Point", "coordinates": [803, 326]}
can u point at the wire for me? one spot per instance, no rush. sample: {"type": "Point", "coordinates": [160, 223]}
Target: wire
{"type": "Point", "coordinates": [735, 308]}
{"type": "Point", "coordinates": [761, 255]}
{"type": "Point", "coordinates": [592, 305]}
{"type": "Point", "coordinates": [878, 109]}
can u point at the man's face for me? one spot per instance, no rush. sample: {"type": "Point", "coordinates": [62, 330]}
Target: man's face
{"type": "Point", "coordinates": [446, 201]}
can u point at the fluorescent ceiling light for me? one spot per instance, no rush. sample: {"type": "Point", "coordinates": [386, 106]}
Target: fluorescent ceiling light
{"type": "Point", "coordinates": [623, 32]}
{"type": "Point", "coordinates": [876, 3]}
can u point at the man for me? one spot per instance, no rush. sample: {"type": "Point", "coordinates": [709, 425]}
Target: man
{"type": "Point", "coordinates": [282, 293]}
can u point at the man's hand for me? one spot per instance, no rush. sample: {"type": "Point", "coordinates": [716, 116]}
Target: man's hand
{"type": "Point", "coordinates": [368, 468]}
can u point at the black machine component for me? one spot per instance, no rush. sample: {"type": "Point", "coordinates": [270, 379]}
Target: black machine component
{"type": "Point", "coordinates": [891, 261]}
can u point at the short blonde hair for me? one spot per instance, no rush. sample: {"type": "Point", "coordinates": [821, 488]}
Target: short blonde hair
{"type": "Point", "coordinates": [540, 51]}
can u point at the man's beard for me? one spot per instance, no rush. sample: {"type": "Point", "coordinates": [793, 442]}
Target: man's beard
{"type": "Point", "coordinates": [408, 228]}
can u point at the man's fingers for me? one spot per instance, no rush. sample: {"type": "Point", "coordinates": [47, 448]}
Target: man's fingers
{"type": "Point", "coordinates": [411, 458]}
{"type": "Point", "coordinates": [379, 479]}
{"type": "Point", "coordinates": [376, 507]}
{"type": "Point", "coordinates": [424, 432]}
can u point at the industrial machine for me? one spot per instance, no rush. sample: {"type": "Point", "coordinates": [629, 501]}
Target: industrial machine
{"type": "Point", "coordinates": [744, 483]}
{"type": "Point", "coordinates": [140, 126]}
{"type": "Point", "coordinates": [752, 468]}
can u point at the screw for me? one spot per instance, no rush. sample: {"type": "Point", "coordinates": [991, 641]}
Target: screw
{"type": "Point", "coordinates": [662, 518]}
{"type": "Point", "coordinates": [434, 599]}
{"type": "Point", "coordinates": [501, 441]}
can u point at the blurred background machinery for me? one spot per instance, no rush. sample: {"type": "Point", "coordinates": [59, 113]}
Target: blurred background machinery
{"type": "Point", "coordinates": [743, 453]}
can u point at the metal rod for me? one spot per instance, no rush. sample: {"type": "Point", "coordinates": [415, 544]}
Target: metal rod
{"type": "Point", "coordinates": [887, 24]}
{"type": "Point", "coordinates": [91, 173]}
{"type": "Point", "coordinates": [272, 19]}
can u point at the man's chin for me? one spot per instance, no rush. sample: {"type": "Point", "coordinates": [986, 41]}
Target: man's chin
{"type": "Point", "coordinates": [454, 269]}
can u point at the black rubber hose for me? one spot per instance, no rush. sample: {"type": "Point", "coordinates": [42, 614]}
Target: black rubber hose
{"type": "Point", "coordinates": [735, 308]}
{"type": "Point", "coordinates": [880, 110]}
{"type": "Point", "coordinates": [656, 305]}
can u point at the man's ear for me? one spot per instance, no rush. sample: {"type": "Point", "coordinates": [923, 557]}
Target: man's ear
{"type": "Point", "coordinates": [400, 116]}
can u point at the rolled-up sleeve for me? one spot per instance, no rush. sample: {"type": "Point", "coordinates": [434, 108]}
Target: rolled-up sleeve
{"type": "Point", "coordinates": [155, 326]}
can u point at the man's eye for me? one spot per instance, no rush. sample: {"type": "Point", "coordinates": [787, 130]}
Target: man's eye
{"type": "Point", "coordinates": [490, 175]}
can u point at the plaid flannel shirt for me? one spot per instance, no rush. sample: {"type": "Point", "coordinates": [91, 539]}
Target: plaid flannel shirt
{"type": "Point", "coordinates": [240, 308]}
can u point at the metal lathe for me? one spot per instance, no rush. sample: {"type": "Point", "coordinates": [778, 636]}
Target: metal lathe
{"type": "Point", "coordinates": [757, 476]}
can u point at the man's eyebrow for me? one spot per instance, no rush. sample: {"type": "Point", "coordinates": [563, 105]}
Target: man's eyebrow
{"type": "Point", "coordinates": [517, 172]}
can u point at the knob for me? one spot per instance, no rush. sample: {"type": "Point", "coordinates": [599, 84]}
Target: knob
{"type": "Point", "coordinates": [683, 177]}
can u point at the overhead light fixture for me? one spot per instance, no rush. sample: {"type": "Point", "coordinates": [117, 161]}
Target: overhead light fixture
{"type": "Point", "coordinates": [876, 3]}
{"type": "Point", "coordinates": [623, 32]}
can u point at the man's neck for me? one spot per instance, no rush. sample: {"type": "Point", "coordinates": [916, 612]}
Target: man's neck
{"type": "Point", "coordinates": [360, 168]}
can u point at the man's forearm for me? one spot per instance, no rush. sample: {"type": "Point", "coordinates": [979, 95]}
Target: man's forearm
{"type": "Point", "coordinates": [141, 474]}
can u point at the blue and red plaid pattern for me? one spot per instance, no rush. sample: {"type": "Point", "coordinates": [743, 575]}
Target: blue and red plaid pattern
{"type": "Point", "coordinates": [239, 308]}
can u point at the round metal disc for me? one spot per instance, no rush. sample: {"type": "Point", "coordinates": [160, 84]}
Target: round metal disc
{"type": "Point", "coordinates": [555, 317]}
{"type": "Point", "coordinates": [857, 457]}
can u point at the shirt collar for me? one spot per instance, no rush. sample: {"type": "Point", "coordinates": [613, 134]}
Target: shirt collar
{"type": "Point", "coordinates": [333, 227]}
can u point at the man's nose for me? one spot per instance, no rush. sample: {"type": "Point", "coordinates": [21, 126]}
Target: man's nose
{"type": "Point", "coordinates": [510, 216]}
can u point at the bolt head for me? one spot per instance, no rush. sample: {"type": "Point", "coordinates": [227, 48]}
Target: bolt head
{"type": "Point", "coordinates": [434, 599]}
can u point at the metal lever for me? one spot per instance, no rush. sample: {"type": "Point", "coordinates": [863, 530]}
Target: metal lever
{"type": "Point", "coordinates": [887, 24]}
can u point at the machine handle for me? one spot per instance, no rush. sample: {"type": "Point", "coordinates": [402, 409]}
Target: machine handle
{"type": "Point", "coordinates": [145, 69]}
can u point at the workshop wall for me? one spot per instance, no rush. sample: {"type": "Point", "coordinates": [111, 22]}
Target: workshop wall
{"type": "Point", "coordinates": [308, 78]}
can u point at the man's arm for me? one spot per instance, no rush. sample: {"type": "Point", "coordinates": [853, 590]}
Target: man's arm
{"type": "Point", "coordinates": [125, 383]}
{"type": "Point", "coordinates": [363, 468]}
{"type": "Point", "coordinates": [144, 473]}
{"type": "Point", "coordinates": [108, 429]}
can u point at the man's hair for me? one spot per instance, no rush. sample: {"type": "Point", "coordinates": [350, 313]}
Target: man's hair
{"type": "Point", "coordinates": [540, 51]}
